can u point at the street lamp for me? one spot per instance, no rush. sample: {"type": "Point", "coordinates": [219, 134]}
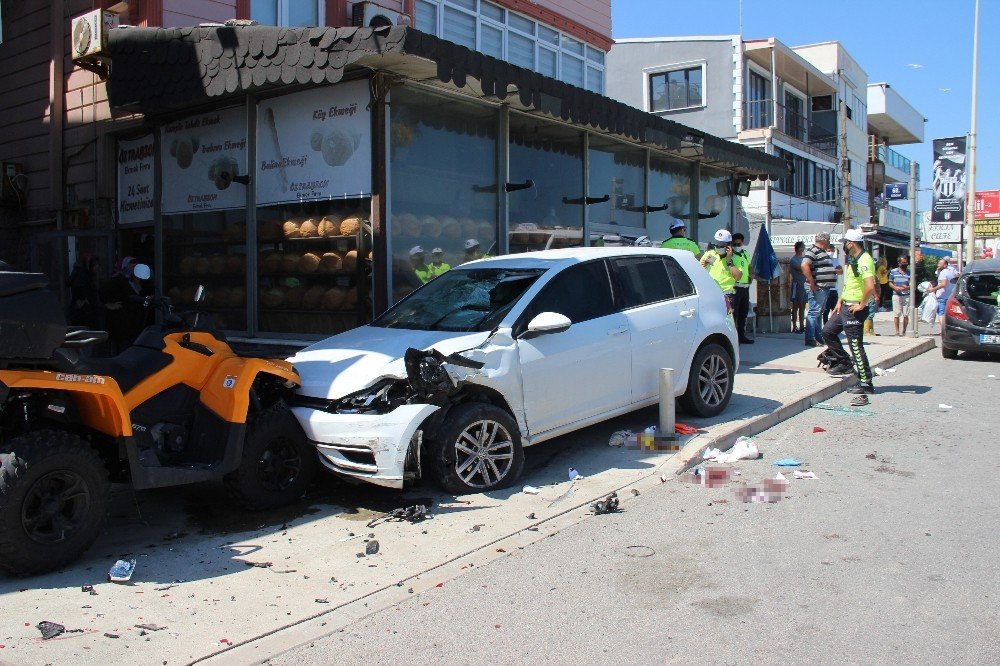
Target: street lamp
{"type": "Point", "coordinates": [970, 205]}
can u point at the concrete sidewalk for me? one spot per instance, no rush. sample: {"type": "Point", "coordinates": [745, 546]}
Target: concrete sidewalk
{"type": "Point", "coordinates": [193, 576]}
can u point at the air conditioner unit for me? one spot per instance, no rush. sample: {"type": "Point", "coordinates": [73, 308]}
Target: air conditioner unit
{"type": "Point", "coordinates": [370, 15]}
{"type": "Point", "coordinates": [90, 33]}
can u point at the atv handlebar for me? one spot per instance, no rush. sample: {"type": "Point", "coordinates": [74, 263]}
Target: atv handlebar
{"type": "Point", "coordinates": [186, 320]}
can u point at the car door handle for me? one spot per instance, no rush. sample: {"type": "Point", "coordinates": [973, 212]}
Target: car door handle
{"type": "Point", "coordinates": [621, 330]}
{"type": "Point", "coordinates": [688, 313]}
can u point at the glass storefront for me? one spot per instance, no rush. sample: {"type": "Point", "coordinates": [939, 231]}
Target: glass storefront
{"type": "Point", "coordinates": [617, 174]}
{"type": "Point", "coordinates": [669, 195]}
{"type": "Point", "coordinates": [443, 174]}
{"type": "Point", "coordinates": [714, 210]}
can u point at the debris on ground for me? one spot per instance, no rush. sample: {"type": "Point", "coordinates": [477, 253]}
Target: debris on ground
{"type": "Point", "coordinates": [89, 589]}
{"type": "Point", "coordinates": [572, 489]}
{"type": "Point", "coordinates": [663, 478]}
{"type": "Point", "coordinates": [353, 536]}
{"type": "Point", "coordinates": [882, 372]}
{"type": "Point", "coordinates": [871, 456]}
{"type": "Point", "coordinates": [108, 634]}
{"type": "Point", "coordinates": [639, 551]}
{"type": "Point", "coordinates": [619, 437]}
{"type": "Point", "coordinates": [477, 527]}
{"type": "Point", "coordinates": [607, 505]}
{"type": "Point", "coordinates": [802, 474]}
{"type": "Point", "coordinates": [53, 629]}
{"type": "Point", "coordinates": [817, 429]}
{"type": "Point", "coordinates": [150, 627]}
{"type": "Point", "coordinates": [259, 565]}
{"type": "Point", "coordinates": [322, 601]}
{"type": "Point", "coordinates": [532, 490]}
{"type": "Point", "coordinates": [744, 448]}
{"type": "Point", "coordinates": [787, 462]}
{"type": "Point", "coordinates": [531, 516]}
{"type": "Point", "coordinates": [122, 571]}
{"type": "Point", "coordinates": [768, 491]}
{"type": "Point", "coordinates": [840, 409]}
{"type": "Point", "coordinates": [945, 407]}
{"type": "Point", "coordinates": [683, 429]}
{"type": "Point", "coordinates": [371, 548]}
{"type": "Point", "coordinates": [411, 514]}
{"type": "Point", "coordinates": [635, 493]}
{"type": "Point", "coordinates": [573, 474]}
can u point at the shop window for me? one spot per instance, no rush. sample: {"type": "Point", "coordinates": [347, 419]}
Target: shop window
{"type": "Point", "coordinates": [713, 203]}
{"type": "Point", "coordinates": [617, 171]}
{"type": "Point", "coordinates": [520, 50]}
{"type": "Point", "coordinates": [669, 195]}
{"type": "Point", "coordinates": [443, 159]}
{"type": "Point", "coordinates": [491, 41]}
{"type": "Point", "coordinates": [426, 17]}
{"type": "Point", "coordinates": [548, 62]}
{"type": "Point", "coordinates": [459, 27]}
{"type": "Point", "coordinates": [549, 214]}
{"type": "Point", "coordinates": [572, 70]}
{"type": "Point", "coordinates": [288, 13]}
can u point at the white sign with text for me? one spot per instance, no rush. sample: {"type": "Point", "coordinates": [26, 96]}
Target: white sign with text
{"type": "Point", "coordinates": [315, 144]}
{"type": "Point", "coordinates": [200, 156]}
{"type": "Point", "coordinates": [135, 180]}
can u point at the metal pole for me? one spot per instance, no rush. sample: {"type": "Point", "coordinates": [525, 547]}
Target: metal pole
{"type": "Point", "coordinates": [913, 247]}
{"type": "Point", "coordinates": [970, 205]}
{"type": "Point", "coordinates": [667, 407]}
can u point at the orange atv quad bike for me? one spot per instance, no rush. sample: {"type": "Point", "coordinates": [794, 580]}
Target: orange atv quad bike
{"type": "Point", "coordinates": [177, 407]}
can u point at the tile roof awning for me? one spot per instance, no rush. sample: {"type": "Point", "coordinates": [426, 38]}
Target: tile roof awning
{"type": "Point", "coordinates": [164, 70]}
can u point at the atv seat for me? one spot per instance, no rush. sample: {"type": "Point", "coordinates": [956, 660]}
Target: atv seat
{"type": "Point", "coordinates": [17, 283]}
{"type": "Point", "coordinates": [127, 369]}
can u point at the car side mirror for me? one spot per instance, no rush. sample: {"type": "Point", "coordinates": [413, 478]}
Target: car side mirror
{"type": "Point", "coordinates": [141, 272]}
{"type": "Point", "coordinates": [547, 322]}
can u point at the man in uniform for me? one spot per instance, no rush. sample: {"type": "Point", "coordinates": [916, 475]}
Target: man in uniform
{"type": "Point", "coordinates": [438, 266]}
{"type": "Point", "coordinates": [741, 295]}
{"type": "Point", "coordinates": [719, 262]}
{"type": "Point", "coordinates": [473, 251]}
{"type": "Point", "coordinates": [423, 272]}
{"type": "Point", "coordinates": [849, 316]}
{"type": "Point", "coordinates": [678, 241]}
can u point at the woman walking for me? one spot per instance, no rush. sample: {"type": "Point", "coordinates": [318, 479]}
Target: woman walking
{"type": "Point", "coordinates": [797, 290]}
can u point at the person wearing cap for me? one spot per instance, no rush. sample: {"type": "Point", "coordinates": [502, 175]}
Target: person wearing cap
{"type": "Point", "coordinates": [741, 293]}
{"type": "Point", "coordinates": [438, 266]}
{"type": "Point", "coordinates": [678, 240]}
{"type": "Point", "coordinates": [849, 315]}
{"type": "Point", "coordinates": [473, 251]}
{"type": "Point", "coordinates": [124, 317]}
{"type": "Point", "coordinates": [423, 272]}
{"type": "Point", "coordinates": [719, 262]}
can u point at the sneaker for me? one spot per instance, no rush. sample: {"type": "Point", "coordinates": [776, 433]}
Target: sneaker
{"type": "Point", "coordinates": [862, 389]}
{"type": "Point", "coordinates": [860, 401]}
{"type": "Point", "coordinates": [840, 370]}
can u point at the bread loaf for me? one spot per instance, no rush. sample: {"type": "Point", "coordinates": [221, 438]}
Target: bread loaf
{"type": "Point", "coordinates": [411, 225]}
{"type": "Point", "coordinates": [330, 262]}
{"type": "Point", "coordinates": [291, 229]}
{"type": "Point", "coordinates": [309, 262]}
{"type": "Point", "coordinates": [237, 297]}
{"type": "Point", "coordinates": [234, 233]}
{"type": "Point", "coordinates": [293, 297]}
{"type": "Point", "coordinates": [271, 264]}
{"type": "Point", "coordinates": [313, 297]}
{"type": "Point", "coordinates": [430, 227]}
{"type": "Point", "coordinates": [451, 229]}
{"type": "Point", "coordinates": [309, 229]}
{"type": "Point", "coordinates": [333, 298]}
{"type": "Point", "coordinates": [350, 226]}
{"type": "Point", "coordinates": [350, 261]}
{"type": "Point", "coordinates": [328, 226]}
{"type": "Point", "coordinates": [469, 228]}
{"type": "Point", "coordinates": [270, 230]}
{"type": "Point", "coordinates": [350, 299]}
{"type": "Point", "coordinates": [272, 298]}
{"type": "Point", "coordinates": [290, 263]}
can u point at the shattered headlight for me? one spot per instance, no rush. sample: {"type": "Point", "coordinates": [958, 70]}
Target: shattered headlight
{"type": "Point", "coordinates": [380, 398]}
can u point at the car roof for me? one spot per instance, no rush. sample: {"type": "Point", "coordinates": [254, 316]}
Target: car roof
{"type": "Point", "coordinates": [568, 255]}
{"type": "Point", "coordinates": [983, 266]}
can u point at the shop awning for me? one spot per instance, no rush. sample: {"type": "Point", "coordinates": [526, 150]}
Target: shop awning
{"type": "Point", "coordinates": [892, 240]}
{"type": "Point", "coordinates": [936, 252]}
{"type": "Point", "coordinates": [164, 70]}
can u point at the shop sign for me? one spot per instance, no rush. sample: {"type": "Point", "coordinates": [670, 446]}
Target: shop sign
{"type": "Point", "coordinates": [200, 156]}
{"type": "Point", "coordinates": [987, 228]}
{"type": "Point", "coordinates": [948, 200]}
{"type": "Point", "coordinates": [314, 144]}
{"type": "Point", "coordinates": [135, 180]}
{"type": "Point", "coordinates": [988, 205]}
{"type": "Point", "coordinates": [941, 233]}
{"type": "Point", "coordinates": [808, 239]}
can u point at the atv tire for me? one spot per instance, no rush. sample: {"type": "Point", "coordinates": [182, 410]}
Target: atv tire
{"type": "Point", "coordinates": [53, 501]}
{"type": "Point", "coordinates": [278, 464]}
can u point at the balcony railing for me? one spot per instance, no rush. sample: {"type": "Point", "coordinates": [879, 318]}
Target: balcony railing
{"type": "Point", "coordinates": [758, 114]}
{"type": "Point", "coordinates": [880, 152]}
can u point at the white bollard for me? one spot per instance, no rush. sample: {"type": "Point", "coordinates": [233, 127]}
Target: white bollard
{"type": "Point", "coordinates": [667, 407]}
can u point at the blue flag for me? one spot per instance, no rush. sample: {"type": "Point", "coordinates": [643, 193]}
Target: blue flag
{"type": "Point", "coordinates": [764, 262]}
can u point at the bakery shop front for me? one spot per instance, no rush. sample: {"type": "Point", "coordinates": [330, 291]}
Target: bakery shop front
{"type": "Point", "coordinates": [311, 177]}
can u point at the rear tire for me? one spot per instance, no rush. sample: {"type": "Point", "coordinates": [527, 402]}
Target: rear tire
{"type": "Point", "coordinates": [278, 464]}
{"type": "Point", "coordinates": [477, 449]}
{"type": "Point", "coordinates": [53, 501]}
{"type": "Point", "coordinates": [948, 353]}
{"type": "Point", "coordinates": [710, 382]}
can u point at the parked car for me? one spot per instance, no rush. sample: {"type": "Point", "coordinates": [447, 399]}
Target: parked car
{"type": "Point", "coordinates": [971, 316]}
{"type": "Point", "coordinates": [507, 352]}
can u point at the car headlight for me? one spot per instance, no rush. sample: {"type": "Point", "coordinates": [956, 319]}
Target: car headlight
{"type": "Point", "coordinates": [379, 398]}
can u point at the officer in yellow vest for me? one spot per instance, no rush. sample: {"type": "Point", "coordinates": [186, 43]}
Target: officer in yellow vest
{"type": "Point", "coordinates": [741, 295]}
{"type": "Point", "coordinates": [419, 266]}
{"type": "Point", "coordinates": [438, 266]}
{"type": "Point", "coordinates": [719, 262]}
{"type": "Point", "coordinates": [678, 241]}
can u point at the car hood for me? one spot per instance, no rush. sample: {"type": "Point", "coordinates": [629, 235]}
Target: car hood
{"type": "Point", "coordinates": [351, 361]}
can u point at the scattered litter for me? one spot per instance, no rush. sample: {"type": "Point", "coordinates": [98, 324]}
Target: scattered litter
{"type": "Point", "coordinates": [639, 551]}
{"type": "Point", "coordinates": [818, 429]}
{"type": "Point", "coordinates": [768, 491]}
{"type": "Point", "coordinates": [150, 627]}
{"type": "Point", "coordinates": [683, 429]}
{"type": "Point", "coordinates": [259, 565]}
{"type": "Point", "coordinates": [608, 505]}
{"type": "Point", "coordinates": [122, 571]}
{"type": "Point", "coordinates": [532, 490]}
{"type": "Point", "coordinates": [780, 477]}
{"type": "Point", "coordinates": [991, 376]}
{"type": "Point", "coordinates": [787, 462]}
{"type": "Point", "coordinates": [573, 474]}
{"type": "Point", "coordinates": [501, 550]}
{"type": "Point", "coordinates": [743, 448]}
{"type": "Point", "coordinates": [411, 514]}
{"type": "Point", "coordinates": [663, 478]}
{"type": "Point", "coordinates": [111, 635]}
{"type": "Point", "coordinates": [881, 372]}
{"type": "Point", "coordinates": [619, 437]}
{"type": "Point", "coordinates": [860, 401]}
{"type": "Point", "coordinates": [945, 407]}
{"type": "Point", "coordinates": [711, 453]}
{"type": "Point", "coordinates": [635, 493]}
{"type": "Point", "coordinates": [322, 601]}
{"type": "Point", "coordinates": [840, 409]}
{"type": "Point", "coordinates": [531, 516]}
{"type": "Point", "coordinates": [353, 536]}
{"type": "Point", "coordinates": [89, 589]}
{"type": "Point", "coordinates": [800, 474]}
{"type": "Point", "coordinates": [572, 489]}
{"type": "Point", "coordinates": [477, 527]}
{"type": "Point", "coordinates": [371, 548]}
{"type": "Point", "coordinates": [871, 456]}
{"type": "Point", "coordinates": [52, 629]}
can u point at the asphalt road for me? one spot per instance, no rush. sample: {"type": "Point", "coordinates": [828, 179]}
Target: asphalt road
{"type": "Point", "coordinates": [890, 557]}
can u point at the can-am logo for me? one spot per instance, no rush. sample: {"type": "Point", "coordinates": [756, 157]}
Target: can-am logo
{"type": "Point", "coordinates": [86, 379]}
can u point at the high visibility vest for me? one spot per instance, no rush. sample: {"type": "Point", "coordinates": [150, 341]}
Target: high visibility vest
{"type": "Point", "coordinates": [681, 243]}
{"type": "Point", "coordinates": [720, 272]}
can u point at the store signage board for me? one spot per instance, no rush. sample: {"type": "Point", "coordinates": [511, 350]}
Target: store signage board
{"type": "Point", "coordinates": [948, 199]}
{"type": "Point", "coordinates": [315, 144]}
{"type": "Point", "coordinates": [808, 239]}
{"type": "Point", "coordinates": [988, 205]}
{"type": "Point", "coordinates": [896, 191]}
{"type": "Point", "coordinates": [135, 180]}
{"type": "Point", "coordinates": [941, 233]}
{"type": "Point", "coordinates": [199, 156]}
{"type": "Point", "coordinates": [987, 228]}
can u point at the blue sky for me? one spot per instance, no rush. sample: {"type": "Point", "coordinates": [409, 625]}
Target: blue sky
{"type": "Point", "coordinates": [886, 38]}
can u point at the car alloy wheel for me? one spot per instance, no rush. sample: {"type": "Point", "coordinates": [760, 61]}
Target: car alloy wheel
{"type": "Point", "coordinates": [713, 380]}
{"type": "Point", "coordinates": [484, 454]}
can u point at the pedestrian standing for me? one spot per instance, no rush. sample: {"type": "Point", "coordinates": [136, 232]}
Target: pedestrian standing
{"type": "Point", "coordinates": [849, 315]}
{"type": "Point", "coordinates": [946, 279]}
{"type": "Point", "coordinates": [820, 277]}
{"type": "Point", "coordinates": [719, 262]}
{"type": "Point", "coordinates": [899, 282]}
{"type": "Point", "coordinates": [882, 277]}
{"type": "Point", "coordinates": [741, 292]}
{"type": "Point", "coordinates": [678, 239]}
{"type": "Point", "coordinates": [797, 295]}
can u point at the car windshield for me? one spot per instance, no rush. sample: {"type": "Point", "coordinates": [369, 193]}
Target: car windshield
{"type": "Point", "coordinates": [464, 300]}
{"type": "Point", "coordinates": [984, 287]}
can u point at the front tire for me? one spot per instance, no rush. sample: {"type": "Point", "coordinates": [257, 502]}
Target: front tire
{"type": "Point", "coordinates": [950, 354]}
{"type": "Point", "coordinates": [53, 501]}
{"type": "Point", "coordinates": [278, 465]}
{"type": "Point", "coordinates": [710, 382]}
{"type": "Point", "coordinates": [478, 449]}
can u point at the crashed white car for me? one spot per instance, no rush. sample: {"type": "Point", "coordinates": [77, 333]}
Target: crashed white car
{"type": "Point", "coordinates": [503, 353]}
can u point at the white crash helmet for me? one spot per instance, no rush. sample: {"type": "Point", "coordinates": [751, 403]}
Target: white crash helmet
{"type": "Point", "coordinates": [723, 236]}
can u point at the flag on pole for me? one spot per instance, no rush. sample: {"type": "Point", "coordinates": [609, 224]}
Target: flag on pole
{"type": "Point", "coordinates": [764, 262]}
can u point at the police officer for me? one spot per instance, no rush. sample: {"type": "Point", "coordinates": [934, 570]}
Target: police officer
{"type": "Point", "coordinates": [423, 272]}
{"type": "Point", "coordinates": [438, 265]}
{"type": "Point", "coordinates": [849, 316]}
{"type": "Point", "coordinates": [719, 262]}
{"type": "Point", "coordinates": [741, 295]}
{"type": "Point", "coordinates": [678, 241]}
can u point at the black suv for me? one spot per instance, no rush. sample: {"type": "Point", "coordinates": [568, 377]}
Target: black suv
{"type": "Point", "coordinates": [972, 315]}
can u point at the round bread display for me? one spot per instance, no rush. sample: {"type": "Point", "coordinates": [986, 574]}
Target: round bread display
{"type": "Point", "coordinates": [202, 266]}
{"type": "Point", "coordinates": [411, 225]}
{"type": "Point", "coordinates": [308, 229]}
{"type": "Point", "coordinates": [430, 227]}
{"type": "Point", "coordinates": [291, 229]}
{"type": "Point", "coordinates": [218, 264]}
{"type": "Point", "coordinates": [237, 297]}
{"type": "Point", "coordinates": [271, 264]}
{"type": "Point", "coordinates": [486, 234]}
{"type": "Point", "coordinates": [333, 299]}
{"type": "Point", "coordinates": [270, 230]}
{"type": "Point", "coordinates": [350, 226]}
{"type": "Point", "coordinates": [350, 299]}
{"type": "Point", "coordinates": [328, 226]}
{"type": "Point", "coordinates": [351, 260]}
{"type": "Point", "coordinates": [313, 297]}
{"type": "Point", "coordinates": [234, 233]}
{"type": "Point", "coordinates": [330, 262]}
{"type": "Point", "coordinates": [186, 266]}
{"type": "Point", "coordinates": [450, 228]}
{"type": "Point", "coordinates": [236, 264]}
{"type": "Point", "coordinates": [290, 263]}
{"type": "Point", "coordinates": [272, 298]}
{"type": "Point", "coordinates": [309, 262]}
{"type": "Point", "coordinates": [469, 228]}
{"type": "Point", "coordinates": [293, 297]}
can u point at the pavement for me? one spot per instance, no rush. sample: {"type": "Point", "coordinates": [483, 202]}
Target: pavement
{"type": "Point", "coordinates": [236, 587]}
{"type": "Point", "coordinates": [889, 557]}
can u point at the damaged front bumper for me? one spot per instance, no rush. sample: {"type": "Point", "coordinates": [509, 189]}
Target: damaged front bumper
{"type": "Point", "coordinates": [368, 447]}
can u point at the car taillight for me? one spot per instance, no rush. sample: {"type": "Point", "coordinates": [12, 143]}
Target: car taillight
{"type": "Point", "coordinates": [955, 309]}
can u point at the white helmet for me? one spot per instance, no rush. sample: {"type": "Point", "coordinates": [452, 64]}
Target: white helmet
{"type": "Point", "coordinates": [723, 236]}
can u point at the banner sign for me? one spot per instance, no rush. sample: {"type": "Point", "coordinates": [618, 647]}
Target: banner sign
{"type": "Point", "coordinates": [315, 144]}
{"type": "Point", "coordinates": [808, 239]}
{"type": "Point", "coordinates": [942, 233]}
{"type": "Point", "coordinates": [199, 157]}
{"type": "Point", "coordinates": [895, 191]}
{"type": "Point", "coordinates": [135, 180]}
{"type": "Point", "coordinates": [987, 228]}
{"type": "Point", "coordinates": [948, 202]}
{"type": "Point", "coordinates": [988, 205]}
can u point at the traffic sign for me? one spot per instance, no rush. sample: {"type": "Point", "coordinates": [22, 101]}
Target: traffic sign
{"type": "Point", "coordinates": [896, 191]}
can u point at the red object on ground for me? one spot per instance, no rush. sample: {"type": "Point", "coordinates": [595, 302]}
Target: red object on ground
{"type": "Point", "coordinates": [818, 429]}
{"type": "Point", "coordinates": [683, 429]}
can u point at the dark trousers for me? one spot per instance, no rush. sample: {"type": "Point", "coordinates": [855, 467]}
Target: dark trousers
{"type": "Point", "coordinates": [741, 308]}
{"type": "Point", "coordinates": [852, 325]}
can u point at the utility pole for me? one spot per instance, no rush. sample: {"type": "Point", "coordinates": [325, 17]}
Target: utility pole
{"type": "Point", "coordinates": [845, 167]}
{"type": "Point", "coordinates": [970, 204]}
{"type": "Point", "coordinates": [913, 248]}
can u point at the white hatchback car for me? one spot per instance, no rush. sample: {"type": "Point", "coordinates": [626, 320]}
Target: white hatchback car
{"type": "Point", "coordinates": [507, 352]}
